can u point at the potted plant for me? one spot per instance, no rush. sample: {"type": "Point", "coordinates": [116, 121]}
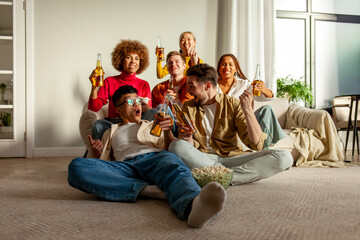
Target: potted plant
{"type": "Point", "coordinates": [5, 118]}
{"type": "Point", "coordinates": [294, 90]}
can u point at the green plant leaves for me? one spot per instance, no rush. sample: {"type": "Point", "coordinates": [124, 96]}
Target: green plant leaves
{"type": "Point", "coordinates": [5, 118]}
{"type": "Point", "coordinates": [294, 89]}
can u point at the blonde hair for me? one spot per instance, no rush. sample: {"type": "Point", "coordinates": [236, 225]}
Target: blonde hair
{"type": "Point", "coordinates": [175, 53]}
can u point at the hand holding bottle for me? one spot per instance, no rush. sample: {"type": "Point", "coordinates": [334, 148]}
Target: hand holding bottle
{"type": "Point", "coordinates": [166, 122]}
{"type": "Point", "coordinates": [184, 132]}
{"type": "Point", "coordinates": [260, 85]}
{"type": "Point", "coordinates": [97, 75]}
{"type": "Point", "coordinates": [171, 93]}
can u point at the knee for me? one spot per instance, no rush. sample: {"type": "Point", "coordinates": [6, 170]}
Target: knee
{"type": "Point", "coordinates": [74, 165]}
{"type": "Point", "coordinates": [284, 160]}
{"type": "Point", "coordinates": [265, 110]}
{"type": "Point", "coordinates": [179, 146]}
{"type": "Point", "coordinates": [170, 160]}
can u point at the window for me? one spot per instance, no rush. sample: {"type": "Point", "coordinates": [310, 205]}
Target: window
{"type": "Point", "coordinates": [319, 40]}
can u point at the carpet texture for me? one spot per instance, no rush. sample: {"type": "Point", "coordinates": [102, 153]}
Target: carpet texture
{"type": "Point", "coordinates": [302, 203]}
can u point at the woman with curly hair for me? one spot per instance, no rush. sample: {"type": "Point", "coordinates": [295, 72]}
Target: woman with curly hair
{"type": "Point", "coordinates": [130, 58]}
{"type": "Point", "coordinates": [233, 82]}
{"type": "Point", "coordinates": [187, 43]}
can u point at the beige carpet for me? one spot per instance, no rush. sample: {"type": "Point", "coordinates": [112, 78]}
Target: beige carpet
{"type": "Point", "coordinates": [302, 203]}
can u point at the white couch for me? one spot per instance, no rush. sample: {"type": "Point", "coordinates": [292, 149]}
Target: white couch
{"type": "Point", "coordinates": [280, 107]}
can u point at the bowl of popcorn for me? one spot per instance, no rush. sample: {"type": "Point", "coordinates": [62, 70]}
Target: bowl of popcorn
{"type": "Point", "coordinates": [217, 173]}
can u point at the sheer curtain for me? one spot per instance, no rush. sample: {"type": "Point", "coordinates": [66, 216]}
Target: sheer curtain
{"type": "Point", "coordinates": [246, 29]}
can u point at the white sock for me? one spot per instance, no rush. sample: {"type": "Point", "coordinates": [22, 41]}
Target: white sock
{"type": "Point", "coordinates": [210, 201]}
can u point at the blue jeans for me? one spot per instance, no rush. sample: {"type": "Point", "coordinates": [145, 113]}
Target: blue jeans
{"type": "Point", "coordinates": [269, 125]}
{"type": "Point", "coordinates": [123, 180]}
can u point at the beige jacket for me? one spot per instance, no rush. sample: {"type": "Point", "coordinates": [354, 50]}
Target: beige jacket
{"type": "Point", "coordinates": [143, 136]}
{"type": "Point", "coordinates": [229, 124]}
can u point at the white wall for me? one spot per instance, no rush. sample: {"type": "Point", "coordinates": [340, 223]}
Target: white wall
{"type": "Point", "coordinates": [68, 34]}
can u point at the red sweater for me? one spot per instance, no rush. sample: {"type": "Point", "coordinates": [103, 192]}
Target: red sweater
{"type": "Point", "coordinates": [111, 84]}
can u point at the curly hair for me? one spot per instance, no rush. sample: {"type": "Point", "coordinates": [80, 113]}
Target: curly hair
{"type": "Point", "coordinates": [125, 47]}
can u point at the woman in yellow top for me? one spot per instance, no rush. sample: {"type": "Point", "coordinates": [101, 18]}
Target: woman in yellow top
{"type": "Point", "coordinates": [187, 43]}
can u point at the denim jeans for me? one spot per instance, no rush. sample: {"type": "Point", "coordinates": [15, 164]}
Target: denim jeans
{"type": "Point", "coordinates": [123, 180]}
{"type": "Point", "coordinates": [269, 125]}
{"type": "Point", "coordinates": [248, 167]}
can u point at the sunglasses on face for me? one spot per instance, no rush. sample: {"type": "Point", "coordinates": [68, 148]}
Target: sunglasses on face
{"type": "Point", "coordinates": [131, 101]}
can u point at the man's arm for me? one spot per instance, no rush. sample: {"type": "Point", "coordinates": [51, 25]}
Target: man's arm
{"type": "Point", "coordinates": [252, 125]}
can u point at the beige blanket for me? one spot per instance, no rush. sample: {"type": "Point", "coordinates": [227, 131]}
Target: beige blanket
{"type": "Point", "coordinates": [315, 137]}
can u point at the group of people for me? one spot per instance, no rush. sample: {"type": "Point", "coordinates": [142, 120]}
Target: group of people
{"type": "Point", "coordinates": [131, 163]}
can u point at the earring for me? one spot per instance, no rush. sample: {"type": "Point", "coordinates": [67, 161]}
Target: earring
{"type": "Point", "coordinates": [235, 74]}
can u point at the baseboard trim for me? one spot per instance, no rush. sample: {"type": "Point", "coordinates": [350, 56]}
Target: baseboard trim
{"type": "Point", "coordinates": [59, 152]}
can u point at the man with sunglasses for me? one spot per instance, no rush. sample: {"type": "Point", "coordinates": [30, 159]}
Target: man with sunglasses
{"type": "Point", "coordinates": [142, 167]}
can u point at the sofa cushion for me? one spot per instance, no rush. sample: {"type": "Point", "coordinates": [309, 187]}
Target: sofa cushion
{"type": "Point", "coordinates": [279, 106]}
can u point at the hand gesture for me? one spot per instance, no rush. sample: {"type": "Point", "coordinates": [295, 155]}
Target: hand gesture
{"type": "Point", "coordinates": [191, 52]}
{"type": "Point", "coordinates": [96, 146]}
{"type": "Point", "coordinates": [247, 102]}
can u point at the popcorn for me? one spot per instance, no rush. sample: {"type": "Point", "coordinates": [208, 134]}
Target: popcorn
{"type": "Point", "coordinates": [217, 173]}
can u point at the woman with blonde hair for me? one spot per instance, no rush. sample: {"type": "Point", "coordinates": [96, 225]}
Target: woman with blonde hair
{"type": "Point", "coordinates": [187, 43]}
{"type": "Point", "coordinates": [233, 82]}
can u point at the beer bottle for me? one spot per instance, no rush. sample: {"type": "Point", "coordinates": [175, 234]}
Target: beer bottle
{"type": "Point", "coordinates": [180, 115]}
{"type": "Point", "coordinates": [160, 51]}
{"type": "Point", "coordinates": [98, 80]}
{"type": "Point", "coordinates": [257, 79]}
{"type": "Point", "coordinates": [171, 84]}
{"type": "Point", "coordinates": [156, 129]}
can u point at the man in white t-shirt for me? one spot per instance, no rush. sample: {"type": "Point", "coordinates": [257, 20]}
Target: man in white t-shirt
{"type": "Point", "coordinates": [220, 120]}
{"type": "Point", "coordinates": [142, 167]}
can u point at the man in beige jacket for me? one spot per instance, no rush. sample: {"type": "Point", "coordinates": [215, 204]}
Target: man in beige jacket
{"type": "Point", "coordinates": [219, 121]}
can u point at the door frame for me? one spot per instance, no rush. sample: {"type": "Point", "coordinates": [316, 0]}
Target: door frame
{"type": "Point", "coordinates": [29, 101]}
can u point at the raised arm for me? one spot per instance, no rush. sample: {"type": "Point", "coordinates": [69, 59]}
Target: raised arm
{"type": "Point", "coordinates": [252, 125]}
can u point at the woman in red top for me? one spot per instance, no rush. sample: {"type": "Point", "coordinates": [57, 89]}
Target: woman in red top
{"type": "Point", "coordinates": [130, 58]}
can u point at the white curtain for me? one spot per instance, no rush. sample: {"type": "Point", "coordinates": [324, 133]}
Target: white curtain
{"type": "Point", "coordinates": [246, 29]}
